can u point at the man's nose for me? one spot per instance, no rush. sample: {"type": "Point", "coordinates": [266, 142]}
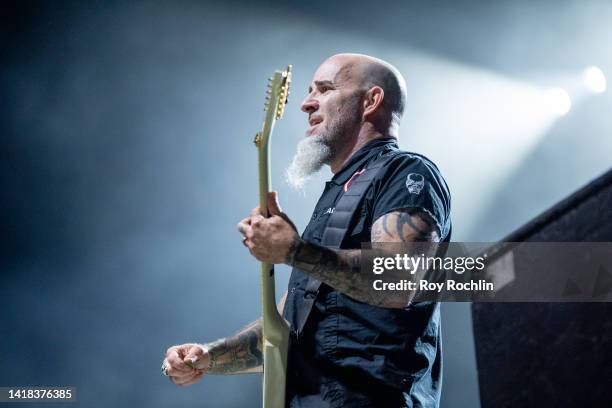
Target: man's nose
{"type": "Point", "coordinates": [309, 105]}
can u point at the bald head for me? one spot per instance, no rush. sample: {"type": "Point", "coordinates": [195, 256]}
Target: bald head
{"type": "Point", "coordinates": [351, 100]}
{"type": "Point", "coordinates": [367, 72]}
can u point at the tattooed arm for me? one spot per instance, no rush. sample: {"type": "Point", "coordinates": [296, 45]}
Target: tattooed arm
{"type": "Point", "coordinates": [241, 353]}
{"type": "Point", "coordinates": [238, 354]}
{"type": "Point", "coordinates": [341, 269]}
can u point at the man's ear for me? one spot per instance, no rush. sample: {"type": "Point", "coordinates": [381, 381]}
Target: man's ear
{"type": "Point", "coordinates": [372, 102]}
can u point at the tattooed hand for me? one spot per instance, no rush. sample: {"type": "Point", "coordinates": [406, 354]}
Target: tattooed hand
{"type": "Point", "coordinates": [268, 239]}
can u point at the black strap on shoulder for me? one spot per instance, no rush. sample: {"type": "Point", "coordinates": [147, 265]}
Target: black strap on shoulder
{"type": "Point", "coordinates": [338, 224]}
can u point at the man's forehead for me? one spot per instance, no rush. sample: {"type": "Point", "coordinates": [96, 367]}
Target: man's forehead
{"type": "Point", "coordinates": [327, 71]}
{"type": "Point", "coordinates": [335, 69]}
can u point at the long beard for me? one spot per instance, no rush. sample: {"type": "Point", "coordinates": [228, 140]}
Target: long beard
{"type": "Point", "coordinates": [317, 150]}
{"type": "Point", "coordinates": [312, 153]}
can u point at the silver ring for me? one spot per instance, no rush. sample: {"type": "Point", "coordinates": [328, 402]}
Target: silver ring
{"type": "Point", "coordinates": [164, 369]}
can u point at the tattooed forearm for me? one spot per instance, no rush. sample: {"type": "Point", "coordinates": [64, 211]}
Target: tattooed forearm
{"type": "Point", "coordinates": [341, 269]}
{"type": "Point", "coordinates": [238, 354]}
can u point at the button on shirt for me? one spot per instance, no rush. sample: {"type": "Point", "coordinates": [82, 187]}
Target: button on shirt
{"type": "Point", "coordinates": [349, 353]}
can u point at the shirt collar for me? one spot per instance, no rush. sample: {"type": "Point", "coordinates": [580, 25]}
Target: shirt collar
{"type": "Point", "coordinates": [359, 159]}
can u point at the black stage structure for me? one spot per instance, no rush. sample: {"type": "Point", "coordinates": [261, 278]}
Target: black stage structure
{"type": "Point", "coordinates": [550, 354]}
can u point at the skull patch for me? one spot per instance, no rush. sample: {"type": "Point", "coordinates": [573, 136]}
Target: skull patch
{"type": "Point", "coordinates": [415, 183]}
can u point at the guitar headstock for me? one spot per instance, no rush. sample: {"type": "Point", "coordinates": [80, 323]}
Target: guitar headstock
{"type": "Point", "coordinates": [276, 98]}
{"type": "Point", "coordinates": [283, 96]}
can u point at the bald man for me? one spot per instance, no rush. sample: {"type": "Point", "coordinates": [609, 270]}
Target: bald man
{"type": "Point", "coordinates": [351, 346]}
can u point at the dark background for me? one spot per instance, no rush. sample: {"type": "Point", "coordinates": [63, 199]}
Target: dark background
{"type": "Point", "coordinates": [126, 160]}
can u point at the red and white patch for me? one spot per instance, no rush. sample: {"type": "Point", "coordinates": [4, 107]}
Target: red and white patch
{"type": "Point", "coordinates": [347, 185]}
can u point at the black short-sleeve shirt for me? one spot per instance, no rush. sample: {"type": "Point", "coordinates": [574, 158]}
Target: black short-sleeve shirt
{"type": "Point", "coordinates": [351, 354]}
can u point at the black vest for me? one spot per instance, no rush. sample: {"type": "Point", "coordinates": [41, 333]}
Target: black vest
{"type": "Point", "coordinates": [347, 353]}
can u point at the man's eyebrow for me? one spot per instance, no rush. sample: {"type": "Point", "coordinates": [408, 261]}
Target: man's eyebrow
{"type": "Point", "coordinates": [321, 83]}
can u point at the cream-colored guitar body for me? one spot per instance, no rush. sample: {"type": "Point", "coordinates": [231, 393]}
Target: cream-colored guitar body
{"type": "Point", "coordinates": [275, 328]}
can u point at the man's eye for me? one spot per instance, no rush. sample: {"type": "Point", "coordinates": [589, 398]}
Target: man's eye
{"type": "Point", "coordinates": [324, 89]}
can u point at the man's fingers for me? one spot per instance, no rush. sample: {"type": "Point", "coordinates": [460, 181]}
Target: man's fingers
{"type": "Point", "coordinates": [256, 211]}
{"type": "Point", "coordinates": [186, 380]}
{"type": "Point", "coordinates": [244, 226]}
{"type": "Point", "coordinates": [176, 363]}
{"type": "Point", "coordinates": [171, 371]}
{"type": "Point", "coordinates": [273, 205]}
{"type": "Point", "coordinates": [183, 378]}
{"type": "Point", "coordinates": [195, 357]}
{"type": "Point", "coordinates": [250, 246]}
{"type": "Point", "coordinates": [256, 220]}
{"type": "Point", "coordinates": [177, 374]}
{"type": "Point", "coordinates": [194, 379]}
{"type": "Point", "coordinates": [252, 251]}
{"type": "Point", "coordinates": [275, 208]}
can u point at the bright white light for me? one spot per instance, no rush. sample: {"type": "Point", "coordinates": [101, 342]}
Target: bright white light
{"type": "Point", "coordinates": [557, 101]}
{"type": "Point", "coordinates": [594, 79]}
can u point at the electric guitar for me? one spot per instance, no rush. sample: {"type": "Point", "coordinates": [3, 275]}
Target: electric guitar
{"type": "Point", "coordinates": [275, 328]}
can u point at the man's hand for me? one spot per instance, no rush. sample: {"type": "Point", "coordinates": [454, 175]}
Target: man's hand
{"type": "Point", "coordinates": [186, 364]}
{"type": "Point", "coordinates": [269, 239]}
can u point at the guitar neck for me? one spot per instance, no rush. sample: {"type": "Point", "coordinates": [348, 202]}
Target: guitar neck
{"type": "Point", "coordinates": [275, 329]}
{"type": "Point", "coordinates": [270, 315]}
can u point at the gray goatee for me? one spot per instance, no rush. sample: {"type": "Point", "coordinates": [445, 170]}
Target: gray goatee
{"type": "Point", "coordinates": [312, 154]}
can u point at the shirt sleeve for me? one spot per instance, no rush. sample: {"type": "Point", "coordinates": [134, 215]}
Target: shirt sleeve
{"type": "Point", "coordinates": [413, 182]}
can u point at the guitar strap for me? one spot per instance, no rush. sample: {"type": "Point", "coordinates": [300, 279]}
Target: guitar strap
{"type": "Point", "coordinates": [337, 227]}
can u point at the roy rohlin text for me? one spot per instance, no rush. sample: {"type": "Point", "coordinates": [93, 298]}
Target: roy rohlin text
{"type": "Point", "coordinates": [425, 285]}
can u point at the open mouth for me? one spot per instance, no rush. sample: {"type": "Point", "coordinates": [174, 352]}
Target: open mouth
{"type": "Point", "coordinates": [314, 122]}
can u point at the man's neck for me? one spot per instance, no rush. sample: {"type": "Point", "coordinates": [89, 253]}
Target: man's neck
{"type": "Point", "coordinates": [362, 139]}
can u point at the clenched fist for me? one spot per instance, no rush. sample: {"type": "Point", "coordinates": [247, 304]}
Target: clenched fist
{"type": "Point", "coordinates": [186, 364]}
